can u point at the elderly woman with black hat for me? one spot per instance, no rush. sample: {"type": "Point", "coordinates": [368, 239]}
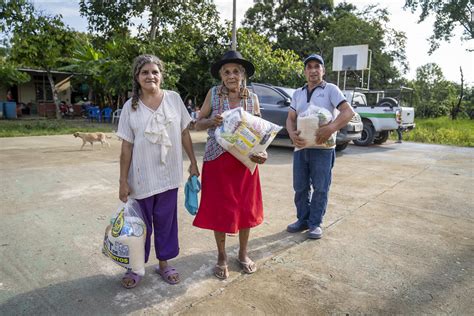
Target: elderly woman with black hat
{"type": "Point", "coordinates": [231, 198]}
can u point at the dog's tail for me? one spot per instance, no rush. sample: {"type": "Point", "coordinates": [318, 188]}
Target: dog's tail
{"type": "Point", "coordinates": [107, 136]}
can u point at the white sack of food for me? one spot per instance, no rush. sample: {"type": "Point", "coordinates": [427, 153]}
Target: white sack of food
{"type": "Point", "coordinates": [124, 240]}
{"type": "Point", "coordinates": [243, 134]}
{"type": "Point", "coordinates": [308, 124]}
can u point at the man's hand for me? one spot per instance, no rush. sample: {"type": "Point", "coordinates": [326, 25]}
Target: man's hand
{"type": "Point", "coordinates": [259, 158]}
{"type": "Point", "coordinates": [297, 140]}
{"type": "Point", "coordinates": [323, 133]}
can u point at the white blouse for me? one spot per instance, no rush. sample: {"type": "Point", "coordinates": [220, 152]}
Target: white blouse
{"type": "Point", "coordinates": [157, 157]}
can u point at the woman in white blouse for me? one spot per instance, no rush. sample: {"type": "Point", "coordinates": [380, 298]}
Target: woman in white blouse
{"type": "Point", "coordinates": [154, 128]}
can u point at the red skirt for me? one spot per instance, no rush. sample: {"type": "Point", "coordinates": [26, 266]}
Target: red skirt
{"type": "Point", "coordinates": [231, 197]}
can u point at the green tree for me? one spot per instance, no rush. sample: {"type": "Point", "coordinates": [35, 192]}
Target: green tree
{"type": "Point", "coordinates": [434, 95]}
{"type": "Point", "coordinates": [329, 27]}
{"type": "Point", "coordinates": [10, 75]}
{"type": "Point", "coordinates": [184, 34]}
{"type": "Point", "coordinates": [278, 67]}
{"type": "Point", "coordinates": [163, 15]}
{"type": "Point", "coordinates": [290, 24]}
{"type": "Point", "coordinates": [449, 14]}
{"type": "Point", "coordinates": [39, 40]}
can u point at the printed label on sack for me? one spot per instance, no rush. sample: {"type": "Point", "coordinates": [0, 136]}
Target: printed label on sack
{"type": "Point", "coordinates": [118, 224]}
{"type": "Point", "coordinates": [117, 251]}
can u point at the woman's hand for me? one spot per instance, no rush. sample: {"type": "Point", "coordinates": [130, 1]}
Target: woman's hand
{"type": "Point", "coordinates": [259, 158]}
{"type": "Point", "coordinates": [216, 120]}
{"type": "Point", "coordinates": [124, 191]}
{"type": "Point", "coordinates": [193, 170]}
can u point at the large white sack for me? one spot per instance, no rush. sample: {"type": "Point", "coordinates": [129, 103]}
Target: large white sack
{"type": "Point", "coordinates": [308, 124]}
{"type": "Point", "coordinates": [124, 240]}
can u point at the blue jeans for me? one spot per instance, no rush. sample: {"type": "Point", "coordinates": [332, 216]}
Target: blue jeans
{"type": "Point", "coordinates": [311, 182]}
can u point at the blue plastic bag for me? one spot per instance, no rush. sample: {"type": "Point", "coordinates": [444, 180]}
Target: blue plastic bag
{"type": "Point", "coordinates": [191, 190]}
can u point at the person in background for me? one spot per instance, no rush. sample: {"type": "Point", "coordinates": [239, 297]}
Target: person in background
{"type": "Point", "coordinates": [190, 106]}
{"type": "Point", "coordinates": [153, 127]}
{"type": "Point", "coordinates": [399, 134]}
{"type": "Point", "coordinates": [312, 167]}
{"type": "Point", "coordinates": [10, 96]}
{"type": "Point", "coordinates": [231, 197]}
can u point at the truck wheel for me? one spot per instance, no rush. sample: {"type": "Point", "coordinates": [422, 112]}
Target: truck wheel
{"type": "Point", "coordinates": [381, 138]}
{"type": "Point", "coordinates": [367, 136]}
{"type": "Point", "coordinates": [341, 147]}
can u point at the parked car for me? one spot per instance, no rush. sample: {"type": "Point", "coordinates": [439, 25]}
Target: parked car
{"type": "Point", "coordinates": [274, 104]}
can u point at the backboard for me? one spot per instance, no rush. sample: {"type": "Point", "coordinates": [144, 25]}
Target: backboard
{"type": "Point", "coordinates": [350, 57]}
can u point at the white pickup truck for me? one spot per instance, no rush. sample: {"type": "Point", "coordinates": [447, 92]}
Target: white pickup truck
{"type": "Point", "coordinates": [381, 112]}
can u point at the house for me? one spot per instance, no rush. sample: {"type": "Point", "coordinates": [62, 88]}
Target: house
{"type": "Point", "coordinates": [35, 97]}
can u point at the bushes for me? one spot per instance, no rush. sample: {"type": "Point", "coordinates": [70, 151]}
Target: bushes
{"type": "Point", "coordinates": [442, 130]}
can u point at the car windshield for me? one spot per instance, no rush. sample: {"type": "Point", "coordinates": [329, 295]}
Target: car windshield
{"type": "Point", "coordinates": [287, 91]}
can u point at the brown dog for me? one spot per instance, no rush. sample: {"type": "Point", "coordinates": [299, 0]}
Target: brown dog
{"type": "Point", "coordinates": [93, 137]}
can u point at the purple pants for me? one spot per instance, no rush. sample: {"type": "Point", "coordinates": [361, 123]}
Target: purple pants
{"type": "Point", "coordinates": [161, 210]}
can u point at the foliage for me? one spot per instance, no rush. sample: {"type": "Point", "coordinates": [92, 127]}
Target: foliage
{"type": "Point", "coordinates": [185, 35]}
{"type": "Point", "coordinates": [10, 75]}
{"type": "Point", "coordinates": [443, 131]}
{"type": "Point", "coordinates": [278, 67]}
{"type": "Point", "coordinates": [434, 96]}
{"type": "Point", "coordinates": [316, 26]}
{"type": "Point", "coordinates": [110, 20]}
{"type": "Point", "coordinates": [291, 24]}
{"type": "Point", "coordinates": [449, 14]}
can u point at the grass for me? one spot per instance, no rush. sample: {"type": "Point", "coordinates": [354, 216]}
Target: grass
{"type": "Point", "coordinates": [441, 130]}
{"type": "Point", "coordinates": [40, 127]}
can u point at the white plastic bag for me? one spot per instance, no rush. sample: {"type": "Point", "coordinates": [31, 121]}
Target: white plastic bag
{"type": "Point", "coordinates": [124, 240]}
{"type": "Point", "coordinates": [243, 134]}
{"type": "Point", "coordinates": [308, 124]}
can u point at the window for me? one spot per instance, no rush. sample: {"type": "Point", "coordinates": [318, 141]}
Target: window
{"type": "Point", "coordinates": [267, 95]}
{"type": "Point", "coordinates": [42, 89]}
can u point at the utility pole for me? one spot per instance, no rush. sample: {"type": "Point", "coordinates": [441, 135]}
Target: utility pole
{"type": "Point", "coordinates": [234, 29]}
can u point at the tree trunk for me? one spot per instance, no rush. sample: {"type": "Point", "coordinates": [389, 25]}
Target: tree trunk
{"type": "Point", "coordinates": [154, 21]}
{"type": "Point", "coordinates": [457, 108]}
{"type": "Point", "coordinates": [57, 103]}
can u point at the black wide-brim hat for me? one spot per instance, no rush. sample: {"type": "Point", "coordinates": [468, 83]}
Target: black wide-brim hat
{"type": "Point", "coordinates": [235, 57]}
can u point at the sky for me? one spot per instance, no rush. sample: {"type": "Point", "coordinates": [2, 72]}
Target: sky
{"type": "Point", "coordinates": [450, 56]}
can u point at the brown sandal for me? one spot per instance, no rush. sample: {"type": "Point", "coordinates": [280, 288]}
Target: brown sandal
{"type": "Point", "coordinates": [221, 272]}
{"type": "Point", "coordinates": [248, 266]}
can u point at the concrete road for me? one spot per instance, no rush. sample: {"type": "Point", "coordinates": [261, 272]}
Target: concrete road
{"type": "Point", "coordinates": [399, 237]}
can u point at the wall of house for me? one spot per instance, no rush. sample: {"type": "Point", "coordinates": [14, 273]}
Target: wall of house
{"type": "Point", "coordinates": [26, 93]}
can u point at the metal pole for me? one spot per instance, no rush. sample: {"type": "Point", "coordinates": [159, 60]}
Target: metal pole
{"type": "Point", "coordinates": [234, 29]}
{"type": "Point", "coordinates": [345, 74]}
{"type": "Point", "coordinates": [370, 65]}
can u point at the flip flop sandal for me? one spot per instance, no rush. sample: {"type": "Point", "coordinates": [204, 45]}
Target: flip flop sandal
{"type": "Point", "coordinates": [248, 267]}
{"type": "Point", "coordinates": [167, 273]}
{"type": "Point", "coordinates": [221, 272]}
{"type": "Point", "coordinates": [129, 275]}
